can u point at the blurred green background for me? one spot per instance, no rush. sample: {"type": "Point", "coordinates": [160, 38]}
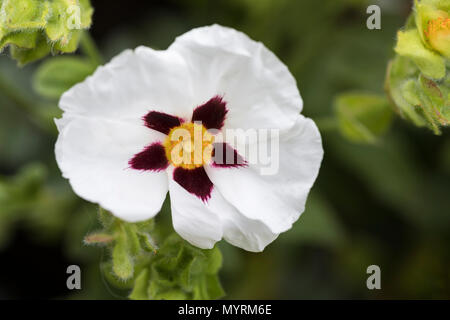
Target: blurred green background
{"type": "Point", "coordinates": [386, 204]}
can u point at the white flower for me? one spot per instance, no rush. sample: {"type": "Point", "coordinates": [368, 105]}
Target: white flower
{"type": "Point", "coordinates": [114, 149]}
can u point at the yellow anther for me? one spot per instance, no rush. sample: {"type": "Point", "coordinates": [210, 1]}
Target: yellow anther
{"type": "Point", "coordinates": [189, 146]}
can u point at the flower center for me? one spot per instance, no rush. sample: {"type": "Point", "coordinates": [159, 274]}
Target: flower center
{"type": "Point", "coordinates": [189, 146]}
{"type": "Point", "coordinates": [438, 34]}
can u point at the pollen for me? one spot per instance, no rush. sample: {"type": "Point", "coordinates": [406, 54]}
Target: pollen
{"type": "Point", "coordinates": [189, 146]}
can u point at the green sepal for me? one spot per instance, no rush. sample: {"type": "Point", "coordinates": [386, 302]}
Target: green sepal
{"type": "Point", "coordinates": [69, 43]}
{"type": "Point", "coordinates": [106, 218]}
{"type": "Point", "coordinates": [140, 287]}
{"type": "Point", "coordinates": [175, 270]}
{"type": "Point", "coordinates": [20, 39]}
{"type": "Point", "coordinates": [147, 242]}
{"type": "Point", "coordinates": [409, 44]}
{"type": "Point", "coordinates": [400, 70]}
{"type": "Point", "coordinates": [24, 56]}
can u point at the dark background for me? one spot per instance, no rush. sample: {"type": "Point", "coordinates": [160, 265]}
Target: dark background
{"type": "Point", "coordinates": [386, 204]}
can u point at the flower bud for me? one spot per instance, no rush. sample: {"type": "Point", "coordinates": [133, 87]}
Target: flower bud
{"type": "Point", "coordinates": [34, 28]}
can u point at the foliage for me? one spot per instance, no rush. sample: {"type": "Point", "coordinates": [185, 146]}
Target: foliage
{"type": "Point", "coordinates": [175, 270]}
{"type": "Point", "coordinates": [58, 75]}
{"type": "Point", "coordinates": [363, 117]}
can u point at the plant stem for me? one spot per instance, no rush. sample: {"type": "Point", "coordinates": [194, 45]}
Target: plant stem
{"type": "Point", "coordinates": [90, 48]}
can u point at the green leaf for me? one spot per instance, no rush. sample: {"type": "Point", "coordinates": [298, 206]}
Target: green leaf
{"type": "Point", "coordinates": [121, 258]}
{"type": "Point", "coordinates": [175, 294]}
{"type": "Point", "coordinates": [57, 75]}
{"type": "Point", "coordinates": [105, 217]}
{"type": "Point", "coordinates": [140, 289]}
{"type": "Point", "coordinates": [318, 225]}
{"type": "Point", "coordinates": [213, 287]}
{"type": "Point", "coordinates": [409, 44]}
{"type": "Point", "coordinates": [214, 260]}
{"type": "Point", "coordinates": [363, 117]}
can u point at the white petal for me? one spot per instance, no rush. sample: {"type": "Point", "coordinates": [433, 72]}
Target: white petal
{"type": "Point", "coordinates": [196, 222]}
{"type": "Point", "coordinates": [276, 200]}
{"type": "Point", "coordinates": [240, 231]}
{"type": "Point", "coordinates": [132, 84]}
{"type": "Point", "coordinates": [259, 89]}
{"type": "Point", "coordinates": [93, 154]}
{"type": "Point", "coordinates": [203, 224]}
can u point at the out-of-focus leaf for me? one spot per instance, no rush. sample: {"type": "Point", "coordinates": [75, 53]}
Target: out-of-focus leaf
{"type": "Point", "coordinates": [318, 225]}
{"type": "Point", "coordinates": [56, 76]}
{"type": "Point", "coordinates": [363, 117]}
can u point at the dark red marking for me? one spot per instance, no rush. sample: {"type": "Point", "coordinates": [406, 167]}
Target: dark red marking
{"type": "Point", "coordinates": [161, 122]}
{"type": "Point", "coordinates": [212, 113]}
{"type": "Point", "coordinates": [224, 156]}
{"type": "Point", "coordinates": [152, 158]}
{"type": "Point", "coordinates": [195, 181]}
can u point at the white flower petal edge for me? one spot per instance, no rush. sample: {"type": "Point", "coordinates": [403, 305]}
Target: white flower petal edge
{"type": "Point", "coordinates": [93, 154]}
{"type": "Point", "coordinates": [276, 200]}
{"type": "Point", "coordinates": [259, 89]}
{"type": "Point", "coordinates": [130, 85]}
{"type": "Point", "coordinates": [193, 220]}
{"type": "Point", "coordinates": [203, 224]}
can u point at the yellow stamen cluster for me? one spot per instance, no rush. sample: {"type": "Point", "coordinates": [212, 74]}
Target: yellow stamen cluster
{"type": "Point", "coordinates": [189, 146]}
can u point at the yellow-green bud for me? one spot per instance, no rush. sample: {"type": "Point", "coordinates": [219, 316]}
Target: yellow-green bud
{"type": "Point", "coordinates": [34, 28]}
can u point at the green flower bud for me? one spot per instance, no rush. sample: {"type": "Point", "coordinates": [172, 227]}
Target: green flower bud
{"type": "Point", "coordinates": [410, 45]}
{"type": "Point", "coordinates": [419, 99]}
{"type": "Point", "coordinates": [34, 28]}
{"type": "Point", "coordinates": [418, 80]}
